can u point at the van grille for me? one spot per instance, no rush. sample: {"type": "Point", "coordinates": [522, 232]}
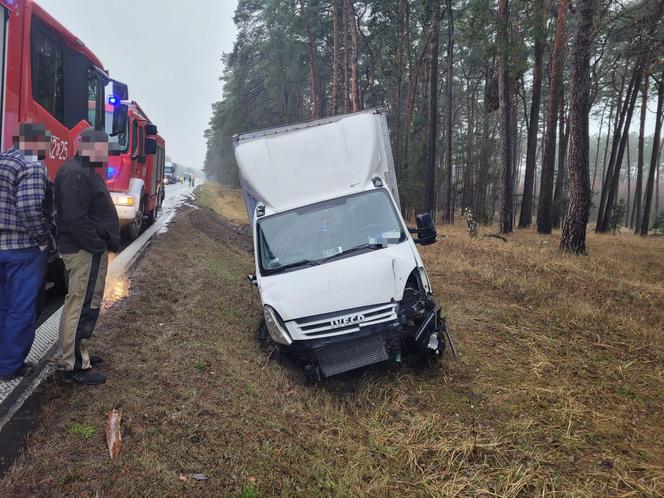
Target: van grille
{"type": "Point", "coordinates": [346, 321]}
{"type": "Point", "coordinates": [349, 355]}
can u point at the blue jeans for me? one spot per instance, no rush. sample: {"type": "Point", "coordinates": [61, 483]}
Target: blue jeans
{"type": "Point", "coordinates": [21, 277]}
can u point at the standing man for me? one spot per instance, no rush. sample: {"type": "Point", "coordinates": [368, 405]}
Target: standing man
{"type": "Point", "coordinates": [25, 224]}
{"type": "Point", "coordinates": [88, 228]}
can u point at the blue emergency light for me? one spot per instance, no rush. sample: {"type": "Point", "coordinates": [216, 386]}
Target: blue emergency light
{"type": "Point", "coordinates": [113, 100]}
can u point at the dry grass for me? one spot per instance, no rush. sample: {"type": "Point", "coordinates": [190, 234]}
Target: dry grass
{"type": "Point", "coordinates": [558, 390]}
{"type": "Point", "coordinates": [224, 200]}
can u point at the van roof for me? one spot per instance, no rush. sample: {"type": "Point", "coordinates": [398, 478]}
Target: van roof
{"type": "Point", "coordinates": [300, 164]}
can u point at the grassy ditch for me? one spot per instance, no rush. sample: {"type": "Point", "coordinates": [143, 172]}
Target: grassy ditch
{"type": "Point", "coordinates": [559, 389]}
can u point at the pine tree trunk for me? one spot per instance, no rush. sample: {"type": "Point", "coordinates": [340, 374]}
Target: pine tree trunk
{"type": "Point", "coordinates": [480, 190]}
{"type": "Point", "coordinates": [659, 168]}
{"type": "Point", "coordinates": [613, 186]}
{"type": "Point", "coordinates": [621, 112]}
{"type": "Point", "coordinates": [545, 207]}
{"type": "Point", "coordinates": [344, 19]}
{"type": "Point", "coordinates": [638, 194]}
{"type": "Point", "coordinates": [334, 105]}
{"type": "Point", "coordinates": [629, 184]}
{"type": "Point", "coordinates": [413, 78]}
{"type": "Point", "coordinates": [573, 236]}
{"type": "Point", "coordinates": [432, 119]}
{"type": "Point", "coordinates": [525, 218]}
{"type": "Point", "coordinates": [355, 67]}
{"type": "Point", "coordinates": [315, 99]}
{"type": "Point", "coordinates": [449, 209]}
{"type": "Point", "coordinates": [608, 136]}
{"type": "Point", "coordinates": [559, 192]}
{"type": "Point", "coordinates": [654, 158]}
{"type": "Point", "coordinates": [517, 131]}
{"type": "Point", "coordinates": [645, 46]}
{"type": "Point", "coordinates": [468, 190]}
{"type": "Point", "coordinates": [402, 28]}
{"type": "Point", "coordinates": [599, 142]}
{"type": "Point", "coordinates": [506, 106]}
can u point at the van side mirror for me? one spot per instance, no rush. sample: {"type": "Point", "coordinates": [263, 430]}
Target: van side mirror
{"type": "Point", "coordinates": [151, 130]}
{"type": "Point", "coordinates": [426, 229]}
{"type": "Point", "coordinates": [150, 146]}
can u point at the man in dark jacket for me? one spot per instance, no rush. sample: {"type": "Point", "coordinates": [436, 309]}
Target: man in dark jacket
{"type": "Point", "coordinates": [25, 238]}
{"type": "Point", "coordinates": [88, 228]}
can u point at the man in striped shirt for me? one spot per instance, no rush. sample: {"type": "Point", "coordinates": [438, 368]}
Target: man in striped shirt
{"type": "Point", "coordinates": [25, 236]}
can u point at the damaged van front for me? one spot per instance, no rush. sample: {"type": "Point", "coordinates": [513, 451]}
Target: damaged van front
{"type": "Point", "coordinates": [340, 278]}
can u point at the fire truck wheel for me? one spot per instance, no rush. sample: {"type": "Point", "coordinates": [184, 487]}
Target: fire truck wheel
{"type": "Point", "coordinates": [134, 229]}
{"type": "Point", "coordinates": [152, 215]}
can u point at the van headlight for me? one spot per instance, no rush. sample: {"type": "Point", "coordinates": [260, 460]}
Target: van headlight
{"type": "Point", "coordinates": [275, 327]}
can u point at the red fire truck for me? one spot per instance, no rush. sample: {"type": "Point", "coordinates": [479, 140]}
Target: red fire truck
{"type": "Point", "coordinates": [135, 173]}
{"type": "Point", "coordinates": [49, 76]}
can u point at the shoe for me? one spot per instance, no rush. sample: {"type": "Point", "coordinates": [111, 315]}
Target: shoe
{"type": "Point", "coordinates": [87, 377]}
{"type": "Point", "coordinates": [25, 370]}
{"type": "Point", "coordinates": [96, 360]}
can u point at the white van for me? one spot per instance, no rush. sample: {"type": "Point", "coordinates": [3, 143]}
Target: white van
{"type": "Point", "coordinates": [340, 278]}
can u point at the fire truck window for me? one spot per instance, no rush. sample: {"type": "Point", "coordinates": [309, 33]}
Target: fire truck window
{"type": "Point", "coordinates": [141, 139]}
{"type": "Point", "coordinates": [48, 80]}
{"type": "Point", "coordinates": [134, 138]}
{"type": "Point", "coordinates": [93, 92]}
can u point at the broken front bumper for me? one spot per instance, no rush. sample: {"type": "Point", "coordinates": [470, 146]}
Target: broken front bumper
{"type": "Point", "coordinates": [373, 344]}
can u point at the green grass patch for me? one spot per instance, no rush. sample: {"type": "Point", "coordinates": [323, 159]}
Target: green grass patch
{"type": "Point", "coordinates": [249, 492]}
{"type": "Point", "coordinates": [84, 431]}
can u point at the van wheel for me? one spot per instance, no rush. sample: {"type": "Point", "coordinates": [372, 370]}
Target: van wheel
{"type": "Point", "coordinates": [263, 337]}
{"type": "Point", "coordinates": [265, 341]}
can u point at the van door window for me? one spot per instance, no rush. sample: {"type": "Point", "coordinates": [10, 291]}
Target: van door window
{"type": "Point", "coordinates": [48, 76]}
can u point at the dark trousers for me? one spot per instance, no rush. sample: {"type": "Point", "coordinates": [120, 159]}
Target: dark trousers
{"type": "Point", "coordinates": [21, 275]}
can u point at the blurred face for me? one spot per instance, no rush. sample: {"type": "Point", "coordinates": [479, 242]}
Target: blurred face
{"type": "Point", "coordinates": [95, 151]}
{"type": "Point", "coordinates": [34, 141]}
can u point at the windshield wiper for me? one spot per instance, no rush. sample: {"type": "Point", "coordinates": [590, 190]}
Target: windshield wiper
{"type": "Point", "coordinates": [361, 247]}
{"type": "Point", "coordinates": [304, 262]}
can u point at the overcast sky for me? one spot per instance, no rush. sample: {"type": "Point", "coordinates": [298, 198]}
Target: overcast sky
{"type": "Point", "coordinates": [167, 51]}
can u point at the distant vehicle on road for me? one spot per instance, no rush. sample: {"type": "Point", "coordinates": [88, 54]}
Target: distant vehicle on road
{"type": "Point", "coordinates": [171, 173]}
{"type": "Point", "coordinates": [52, 78]}
{"type": "Point", "coordinates": [342, 283]}
{"type": "Point", "coordinates": [135, 173]}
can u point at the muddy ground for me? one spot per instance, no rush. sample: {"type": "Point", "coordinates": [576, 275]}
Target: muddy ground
{"type": "Point", "coordinates": [552, 394]}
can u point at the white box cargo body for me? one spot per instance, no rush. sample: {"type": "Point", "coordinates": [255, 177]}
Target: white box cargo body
{"type": "Point", "coordinates": [297, 165]}
{"type": "Point", "coordinates": [340, 277]}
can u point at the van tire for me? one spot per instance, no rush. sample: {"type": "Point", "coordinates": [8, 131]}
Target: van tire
{"type": "Point", "coordinates": [266, 342]}
{"type": "Point", "coordinates": [263, 337]}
